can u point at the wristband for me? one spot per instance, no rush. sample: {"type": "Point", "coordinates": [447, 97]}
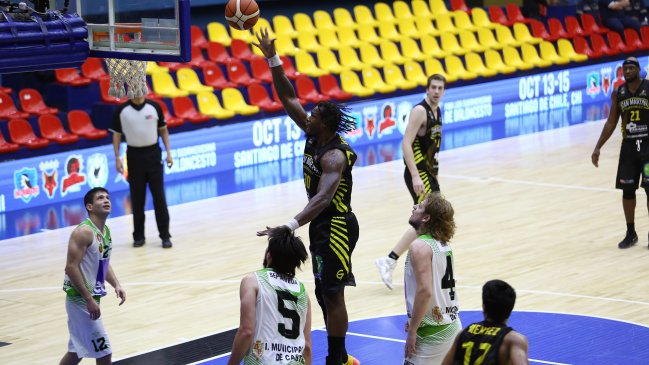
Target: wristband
{"type": "Point", "coordinates": [274, 61]}
{"type": "Point", "coordinates": [293, 224]}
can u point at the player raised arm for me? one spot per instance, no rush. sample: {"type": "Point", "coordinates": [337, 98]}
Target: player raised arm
{"type": "Point", "coordinates": [609, 127]}
{"type": "Point", "coordinates": [283, 86]}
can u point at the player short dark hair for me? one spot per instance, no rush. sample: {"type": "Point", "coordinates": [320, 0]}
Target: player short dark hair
{"type": "Point", "coordinates": [441, 224]}
{"type": "Point", "coordinates": [498, 299]}
{"type": "Point", "coordinates": [89, 198]}
{"type": "Point", "coordinates": [438, 77]}
{"type": "Point", "coordinates": [336, 117]}
{"type": "Point", "coordinates": [286, 250]}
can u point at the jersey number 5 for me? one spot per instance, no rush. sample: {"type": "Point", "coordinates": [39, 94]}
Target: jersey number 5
{"type": "Point", "coordinates": [293, 332]}
{"type": "Point", "coordinates": [448, 282]}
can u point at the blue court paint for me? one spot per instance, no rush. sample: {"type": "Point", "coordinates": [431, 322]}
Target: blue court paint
{"type": "Point", "coordinates": [555, 338]}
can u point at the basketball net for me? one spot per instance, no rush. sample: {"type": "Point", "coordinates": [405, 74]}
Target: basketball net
{"type": "Point", "coordinates": [127, 75]}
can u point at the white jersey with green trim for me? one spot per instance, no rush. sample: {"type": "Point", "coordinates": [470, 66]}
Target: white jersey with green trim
{"type": "Point", "coordinates": [441, 319]}
{"type": "Point", "coordinates": [94, 264]}
{"type": "Point", "coordinates": [281, 315]}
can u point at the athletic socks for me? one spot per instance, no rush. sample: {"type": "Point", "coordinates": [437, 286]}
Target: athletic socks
{"type": "Point", "coordinates": [337, 352]}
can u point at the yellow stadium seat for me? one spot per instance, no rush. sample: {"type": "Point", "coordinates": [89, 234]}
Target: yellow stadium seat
{"type": "Point", "coordinates": [438, 7]}
{"type": "Point", "coordinates": [445, 24]}
{"type": "Point", "coordinates": [285, 46]}
{"type": "Point", "coordinates": [531, 56]}
{"type": "Point", "coordinates": [373, 80]}
{"type": "Point", "coordinates": [550, 54]}
{"type": "Point", "coordinates": [216, 32]}
{"type": "Point", "coordinates": [567, 51]}
{"type": "Point", "coordinates": [263, 23]}
{"type": "Point", "coordinates": [495, 62]}
{"type": "Point", "coordinates": [422, 10]}
{"type": "Point", "coordinates": [454, 66]}
{"type": "Point", "coordinates": [244, 35]}
{"type": "Point", "coordinates": [367, 34]}
{"type": "Point", "coordinates": [390, 53]}
{"type": "Point", "coordinates": [394, 77]}
{"type": "Point", "coordinates": [430, 47]}
{"type": "Point", "coordinates": [513, 58]}
{"type": "Point", "coordinates": [208, 104]}
{"type": "Point", "coordinates": [323, 20]}
{"type": "Point", "coordinates": [164, 85]}
{"type": "Point", "coordinates": [303, 24]}
{"type": "Point", "coordinates": [408, 29]}
{"type": "Point", "coordinates": [402, 10]}
{"type": "Point", "coordinates": [370, 56]}
{"type": "Point", "coordinates": [389, 31]}
{"type": "Point", "coordinates": [307, 42]}
{"type": "Point", "coordinates": [363, 16]}
{"type": "Point", "coordinates": [425, 27]}
{"type": "Point", "coordinates": [350, 83]}
{"type": "Point", "coordinates": [383, 13]}
{"type": "Point", "coordinates": [327, 61]}
{"type": "Point", "coordinates": [233, 100]}
{"type": "Point", "coordinates": [462, 21]}
{"type": "Point", "coordinates": [347, 37]}
{"type": "Point", "coordinates": [188, 80]}
{"type": "Point", "coordinates": [328, 38]}
{"type": "Point", "coordinates": [305, 64]}
{"type": "Point", "coordinates": [522, 34]}
{"type": "Point", "coordinates": [152, 67]}
{"type": "Point", "coordinates": [344, 19]}
{"type": "Point", "coordinates": [414, 73]}
{"type": "Point", "coordinates": [410, 50]}
{"type": "Point", "coordinates": [481, 18]}
{"type": "Point", "coordinates": [349, 58]}
{"type": "Point", "coordinates": [475, 64]}
{"type": "Point", "coordinates": [433, 66]}
{"type": "Point", "coordinates": [505, 37]}
{"type": "Point", "coordinates": [450, 44]}
{"type": "Point", "coordinates": [486, 39]}
{"type": "Point", "coordinates": [469, 42]}
{"type": "Point", "coordinates": [283, 26]}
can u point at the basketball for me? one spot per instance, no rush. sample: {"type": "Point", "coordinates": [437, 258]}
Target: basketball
{"type": "Point", "coordinates": [241, 14]}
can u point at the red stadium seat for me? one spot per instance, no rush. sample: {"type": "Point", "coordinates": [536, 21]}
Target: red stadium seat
{"type": "Point", "coordinates": [617, 44]}
{"type": "Point", "coordinates": [8, 108]}
{"type": "Point", "coordinates": [515, 15]}
{"type": "Point", "coordinates": [260, 70]}
{"type": "Point", "coordinates": [214, 77]}
{"type": "Point", "coordinates": [217, 52]}
{"type": "Point", "coordinates": [7, 147]}
{"type": "Point", "coordinates": [556, 29]}
{"type": "Point", "coordinates": [306, 90]}
{"type": "Point", "coordinates": [6, 90]}
{"type": "Point", "coordinates": [81, 125]}
{"type": "Point", "coordinates": [539, 31]}
{"type": "Point", "coordinates": [459, 5]}
{"type": "Point", "coordinates": [289, 67]}
{"type": "Point", "coordinates": [22, 133]}
{"type": "Point", "coordinates": [32, 102]}
{"type": "Point", "coordinates": [633, 39]}
{"type": "Point", "coordinates": [184, 108]}
{"type": "Point", "coordinates": [238, 73]}
{"type": "Point", "coordinates": [590, 26]}
{"type": "Point", "coordinates": [581, 46]}
{"type": "Point", "coordinates": [198, 60]}
{"type": "Point", "coordinates": [644, 34]}
{"type": "Point", "coordinates": [329, 86]}
{"type": "Point", "coordinates": [241, 50]}
{"type": "Point", "coordinates": [175, 66]}
{"type": "Point", "coordinates": [93, 69]}
{"type": "Point", "coordinates": [573, 28]}
{"type": "Point", "coordinates": [599, 44]}
{"type": "Point", "coordinates": [71, 76]}
{"type": "Point", "coordinates": [171, 120]}
{"type": "Point", "coordinates": [497, 15]}
{"type": "Point", "coordinates": [52, 129]}
{"type": "Point", "coordinates": [198, 37]}
{"type": "Point", "coordinates": [104, 85]}
{"type": "Point", "coordinates": [258, 96]}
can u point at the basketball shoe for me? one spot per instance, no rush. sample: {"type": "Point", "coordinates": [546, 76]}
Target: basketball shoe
{"type": "Point", "coordinates": [386, 266]}
{"type": "Point", "coordinates": [629, 240]}
{"type": "Point", "coordinates": [351, 360]}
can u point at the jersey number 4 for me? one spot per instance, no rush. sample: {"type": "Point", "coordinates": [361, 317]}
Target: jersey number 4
{"type": "Point", "coordinates": [448, 282]}
{"type": "Point", "coordinates": [293, 332]}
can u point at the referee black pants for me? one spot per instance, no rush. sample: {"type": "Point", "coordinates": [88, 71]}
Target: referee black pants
{"type": "Point", "coordinates": [145, 167]}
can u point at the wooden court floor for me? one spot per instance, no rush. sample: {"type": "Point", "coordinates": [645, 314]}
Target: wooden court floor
{"type": "Point", "coordinates": [531, 210]}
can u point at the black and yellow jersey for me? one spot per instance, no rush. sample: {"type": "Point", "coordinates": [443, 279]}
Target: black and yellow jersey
{"type": "Point", "coordinates": [426, 148]}
{"type": "Point", "coordinates": [341, 202]}
{"type": "Point", "coordinates": [479, 343]}
{"type": "Point", "coordinates": [634, 109]}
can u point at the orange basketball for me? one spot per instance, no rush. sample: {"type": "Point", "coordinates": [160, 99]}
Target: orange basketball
{"type": "Point", "coordinates": [242, 14]}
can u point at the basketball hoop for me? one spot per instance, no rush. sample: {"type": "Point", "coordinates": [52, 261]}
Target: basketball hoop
{"type": "Point", "coordinates": [127, 74]}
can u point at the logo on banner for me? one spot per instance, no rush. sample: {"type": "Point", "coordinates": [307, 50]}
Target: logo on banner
{"type": "Point", "coordinates": [403, 113]}
{"type": "Point", "coordinates": [619, 76]}
{"type": "Point", "coordinates": [593, 84]}
{"type": "Point", "coordinates": [97, 170]}
{"type": "Point", "coordinates": [49, 170]}
{"type": "Point", "coordinates": [26, 184]}
{"type": "Point", "coordinates": [357, 133]}
{"type": "Point", "coordinates": [606, 79]}
{"type": "Point", "coordinates": [74, 178]}
{"type": "Point", "coordinates": [387, 123]}
{"type": "Point", "coordinates": [369, 121]}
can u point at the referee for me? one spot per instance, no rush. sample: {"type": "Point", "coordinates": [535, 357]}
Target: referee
{"type": "Point", "coordinates": [141, 121]}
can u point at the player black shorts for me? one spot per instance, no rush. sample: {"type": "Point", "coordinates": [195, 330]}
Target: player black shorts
{"type": "Point", "coordinates": [633, 167]}
{"type": "Point", "coordinates": [333, 239]}
{"type": "Point", "coordinates": [431, 185]}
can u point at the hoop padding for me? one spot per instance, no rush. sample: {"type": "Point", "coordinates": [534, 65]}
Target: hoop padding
{"type": "Point", "coordinates": [31, 42]}
{"type": "Point", "coordinates": [127, 74]}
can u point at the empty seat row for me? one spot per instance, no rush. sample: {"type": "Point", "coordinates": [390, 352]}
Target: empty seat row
{"type": "Point", "coordinates": [31, 103]}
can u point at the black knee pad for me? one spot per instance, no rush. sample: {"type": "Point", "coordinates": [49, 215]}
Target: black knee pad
{"type": "Point", "coordinates": [629, 193]}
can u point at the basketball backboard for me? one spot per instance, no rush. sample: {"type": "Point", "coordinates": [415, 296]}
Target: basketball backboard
{"type": "Point", "coordinates": [149, 30]}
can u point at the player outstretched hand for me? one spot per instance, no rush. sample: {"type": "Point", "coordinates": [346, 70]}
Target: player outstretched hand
{"type": "Point", "coordinates": [265, 232]}
{"type": "Point", "coordinates": [595, 157]}
{"type": "Point", "coordinates": [266, 44]}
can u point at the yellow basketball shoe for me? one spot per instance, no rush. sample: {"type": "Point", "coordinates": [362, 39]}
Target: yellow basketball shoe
{"type": "Point", "coordinates": [351, 360]}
